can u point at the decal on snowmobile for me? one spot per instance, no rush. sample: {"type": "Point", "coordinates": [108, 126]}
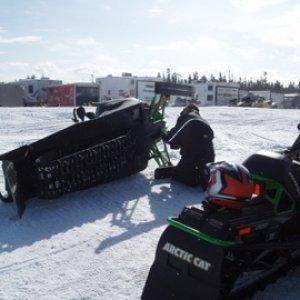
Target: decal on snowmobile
{"type": "Point", "coordinates": [186, 256]}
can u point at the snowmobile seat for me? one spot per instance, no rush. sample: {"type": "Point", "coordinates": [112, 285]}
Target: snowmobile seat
{"type": "Point", "coordinates": [269, 164]}
{"type": "Point", "coordinates": [274, 166]}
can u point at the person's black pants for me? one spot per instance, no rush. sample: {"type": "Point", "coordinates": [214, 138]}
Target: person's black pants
{"type": "Point", "coordinates": [192, 172]}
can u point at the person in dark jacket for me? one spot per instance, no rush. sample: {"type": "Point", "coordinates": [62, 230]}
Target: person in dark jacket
{"type": "Point", "coordinates": [193, 136]}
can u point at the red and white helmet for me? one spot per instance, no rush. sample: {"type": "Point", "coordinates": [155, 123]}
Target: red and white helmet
{"type": "Point", "coordinates": [229, 185]}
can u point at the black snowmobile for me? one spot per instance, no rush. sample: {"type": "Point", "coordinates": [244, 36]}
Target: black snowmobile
{"type": "Point", "coordinates": [114, 144]}
{"type": "Point", "coordinates": [213, 253]}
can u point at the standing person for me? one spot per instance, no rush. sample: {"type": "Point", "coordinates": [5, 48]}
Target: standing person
{"type": "Point", "coordinates": [193, 136]}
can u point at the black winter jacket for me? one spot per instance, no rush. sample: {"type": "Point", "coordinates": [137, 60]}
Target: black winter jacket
{"type": "Point", "coordinates": [193, 136]}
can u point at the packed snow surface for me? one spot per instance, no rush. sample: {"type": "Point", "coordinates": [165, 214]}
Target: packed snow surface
{"type": "Point", "coordinates": [100, 243]}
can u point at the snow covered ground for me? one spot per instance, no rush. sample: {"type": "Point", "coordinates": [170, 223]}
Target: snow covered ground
{"type": "Point", "coordinates": [100, 243]}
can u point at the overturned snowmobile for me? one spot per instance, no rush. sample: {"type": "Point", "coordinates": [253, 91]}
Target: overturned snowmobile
{"type": "Point", "coordinates": [115, 144]}
{"type": "Point", "coordinates": [219, 252]}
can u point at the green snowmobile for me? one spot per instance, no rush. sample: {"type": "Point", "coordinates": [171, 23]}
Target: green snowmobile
{"type": "Point", "coordinates": [218, 252]}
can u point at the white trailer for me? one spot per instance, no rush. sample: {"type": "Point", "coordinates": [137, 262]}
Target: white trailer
{"type": "Point", "coordinates": [116, 87]}
{"type": "Point", "coordinates": [226, 95]}
{"type": "Point", "coordinates": [215, 93]}
{"type": "Point", "coordinates": [145, 90]}
{"type": "Point", "coordinates": [35, 89]}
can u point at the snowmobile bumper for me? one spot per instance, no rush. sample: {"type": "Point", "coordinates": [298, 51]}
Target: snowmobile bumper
{"type": "Point", "coordinates": [185, 267]}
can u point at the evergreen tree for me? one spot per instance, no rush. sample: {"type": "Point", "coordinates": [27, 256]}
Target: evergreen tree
{"type": "Point", "coordinates": [298, 87]}
{"type": "Point", "coordinates": [195, 76]}
{"type": "Point", "coordinates": [203, 78]}
{"type": "Point", "coordinates": [174, 78]}
{"type": "Point", "coordinates": [261, 83]}
{"type": "Point", "coordinates": [278, 87]}
{"type": "Point", "coordinates": [291, 87]}
{"type": "Point", "coordinates": [212, 78]}
{"type": "Point", "coordinates": [220, 77]}
{"type": "Point", "coordinates": [168, 74]}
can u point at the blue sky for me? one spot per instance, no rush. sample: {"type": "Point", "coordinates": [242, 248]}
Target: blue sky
{"type": "Point", "coordinates": [72, 39]}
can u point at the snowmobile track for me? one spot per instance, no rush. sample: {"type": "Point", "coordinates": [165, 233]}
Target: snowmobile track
{"type": "Point", "coordinates": [270, 278]}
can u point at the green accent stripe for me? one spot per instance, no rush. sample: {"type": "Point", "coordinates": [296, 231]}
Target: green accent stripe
{"type": "Point", "coordinates": [270, 184]}
{"type": "Point", "coordinates": [200, 235]}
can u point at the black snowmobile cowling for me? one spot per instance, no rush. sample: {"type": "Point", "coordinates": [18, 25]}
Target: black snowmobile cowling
{"type": "Point", "coordinates": [113, 145]}
{"type": "Point", "coordinates": [213, 252]}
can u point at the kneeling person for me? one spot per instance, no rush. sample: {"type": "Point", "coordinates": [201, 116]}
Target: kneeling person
{"type": "Point", "coordinates": [193, 136]}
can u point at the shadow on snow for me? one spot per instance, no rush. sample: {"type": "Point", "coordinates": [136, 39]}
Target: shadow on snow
{"type": "Point", "coordinates": [45, 218]}
{"type": "Point", "coordinates": [168, 201]}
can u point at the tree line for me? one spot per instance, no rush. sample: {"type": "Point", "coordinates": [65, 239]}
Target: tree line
{"type": "Point", "coordinates": [260, 84]}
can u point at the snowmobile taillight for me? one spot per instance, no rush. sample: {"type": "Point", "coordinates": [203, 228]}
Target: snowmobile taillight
{"type": "Point", "coordinates": [244, 231]}
{"type": "Point", "coordinates": [257, 189]}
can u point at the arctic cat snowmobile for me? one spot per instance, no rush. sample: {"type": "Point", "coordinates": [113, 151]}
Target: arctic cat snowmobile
{"type": "Point", "coordinates": [114, 144]}
{"type": "Point", "coordinates": [215, 252]}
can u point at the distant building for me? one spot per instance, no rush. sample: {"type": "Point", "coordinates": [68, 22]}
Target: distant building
{"type": "Point", "coordinates": [291, 100]}
{"type": "Point", "coordinates": [215, 93]}
{"type": "Point", "coordinates": [243, 93]}
{"type": "Point", "coordinates": [276, 98]}
{"type": "Point", "coordinates": [35, 88]}
{"type": "Point", "coordinates": [73, 94]}
{"type": "Point", "coordinates": [145, 88]}
{"type": "Point", "coordinates": [116, 87]}
{"type": "Point", "coordinates": [11, 95]}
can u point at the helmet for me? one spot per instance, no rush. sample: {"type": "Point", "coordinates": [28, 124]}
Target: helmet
{"type": "Point", "coordinates": [229, 185]}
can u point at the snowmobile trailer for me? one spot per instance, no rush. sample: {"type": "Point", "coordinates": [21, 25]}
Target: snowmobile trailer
{"type": "Point", "coordinates": [220, 253]}
{"type": "Point", "coordinates": [114, 144]}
